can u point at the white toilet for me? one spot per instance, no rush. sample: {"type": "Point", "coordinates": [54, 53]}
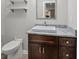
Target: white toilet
{"type": "Point", "coordinates": [13, 49]}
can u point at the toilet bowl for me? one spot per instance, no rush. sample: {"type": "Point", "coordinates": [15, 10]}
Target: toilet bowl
{"type": "Point", "coordinates": [12, 48]}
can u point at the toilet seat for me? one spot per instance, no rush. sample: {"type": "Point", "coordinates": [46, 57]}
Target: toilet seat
{"type": "Point", "coordinates": [10, 47]}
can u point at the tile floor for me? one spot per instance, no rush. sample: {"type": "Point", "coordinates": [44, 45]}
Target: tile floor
{"type": "Point", "coordinates": [5, 56]}
{"type": "Point", "coordinates": [24, 56]}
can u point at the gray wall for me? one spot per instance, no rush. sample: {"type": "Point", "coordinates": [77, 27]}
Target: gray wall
{"type": "Point", "coordinates": [72, 13]}
{"type": "Point", "coordinates": [3, 21]}
{"type": "Point", "coordinates": [16, 24]}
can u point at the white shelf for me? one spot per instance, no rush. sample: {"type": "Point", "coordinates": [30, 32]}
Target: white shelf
{"type": "Point", "coordinates": [18, 8]}
{"type": "Point", "coordinates": [14, 1]}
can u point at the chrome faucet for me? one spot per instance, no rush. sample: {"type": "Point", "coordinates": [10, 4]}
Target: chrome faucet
{"type": "Point", "coordinates": [45, 23]}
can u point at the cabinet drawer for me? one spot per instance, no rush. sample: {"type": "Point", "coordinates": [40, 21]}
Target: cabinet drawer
{"type": "Point", "coordinates": [67, 53]}
{"type": "Point", "coordinates": [67, 41]}
{"type": "Point", "coordinates": [43, 39]}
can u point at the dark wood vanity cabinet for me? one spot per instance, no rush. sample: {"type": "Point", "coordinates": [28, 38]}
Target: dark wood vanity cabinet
{"type": "Point", "coordinates": [51, 47]}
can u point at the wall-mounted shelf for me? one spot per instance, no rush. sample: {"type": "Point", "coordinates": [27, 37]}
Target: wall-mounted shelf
{"type": "Point", "coordinates": [13, 2]}
{"type": "Point", "coordinates": [18, 8]}
{"type": "Point", "coordinates": [18, 5]}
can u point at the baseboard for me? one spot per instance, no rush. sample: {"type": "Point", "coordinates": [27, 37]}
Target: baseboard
{"type": "Point", "coordinates": [25, 52]}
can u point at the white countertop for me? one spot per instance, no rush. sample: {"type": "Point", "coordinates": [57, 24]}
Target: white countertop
{"type": "Point", "coordinates": [65, 32]}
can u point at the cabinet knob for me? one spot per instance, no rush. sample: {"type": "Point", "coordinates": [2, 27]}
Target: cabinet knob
{"type": "Point", "coordinates": [67, 42]}
{"type": "Point", "coordinates": [67, 55]}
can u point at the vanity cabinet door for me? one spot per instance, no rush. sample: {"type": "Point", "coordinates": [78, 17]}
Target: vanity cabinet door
{"type": "Point", "coordinates": [50, 52]}
{"type": "Point", "coordinates": [34, 51]}
{"type": "Point", "coordinates": [43, 47]}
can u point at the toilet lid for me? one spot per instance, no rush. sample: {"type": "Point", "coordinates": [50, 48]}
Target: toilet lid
{"type": "Point", "coordinates": [11, 45]}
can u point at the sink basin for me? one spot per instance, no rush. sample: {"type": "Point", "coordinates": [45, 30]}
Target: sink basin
{"type": "Point", "coordinates": [50, 29]}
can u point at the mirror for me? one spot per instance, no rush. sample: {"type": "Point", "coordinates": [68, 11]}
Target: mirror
{"type": "Point", "coordinates": [45, 9]}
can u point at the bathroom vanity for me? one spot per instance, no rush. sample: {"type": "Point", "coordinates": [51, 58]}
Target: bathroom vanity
{"type": "Point", "coordinates": [52, 45]}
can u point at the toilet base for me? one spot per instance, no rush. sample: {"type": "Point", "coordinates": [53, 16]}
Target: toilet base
{"type": "Point", "coordinates": [17, 54]}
